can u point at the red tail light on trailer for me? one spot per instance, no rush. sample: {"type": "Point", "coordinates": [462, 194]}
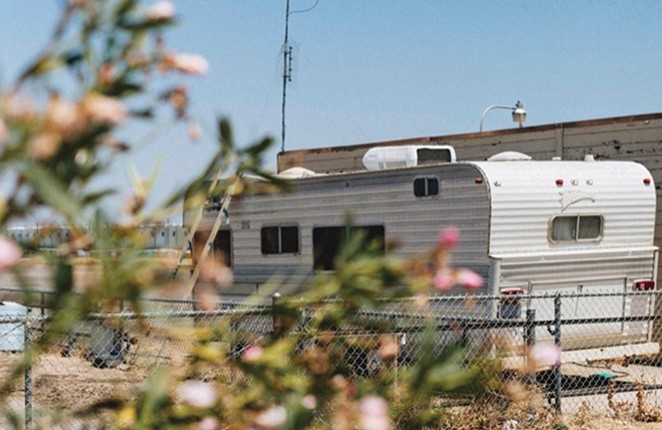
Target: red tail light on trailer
{"type": "Point", "coordinates": [644, 285]}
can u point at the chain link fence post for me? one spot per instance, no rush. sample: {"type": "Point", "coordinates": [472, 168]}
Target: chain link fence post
{"type": "Point", "coordinates": [557, 344]}
{"type": "Point", "coordinates": [27, 376]}
{"type": "Point", "coordinates": [530, 337]}
{"type": "Point", "coordinates": [530, 328]}
{"type": "Point", "coordinates": [277, 326]}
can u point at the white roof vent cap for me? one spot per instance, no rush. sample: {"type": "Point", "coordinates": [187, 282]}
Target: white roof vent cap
{"type": "Point", "coordinates": [296, 173]}
{"type": "Point", "coordinates": [510, 156]}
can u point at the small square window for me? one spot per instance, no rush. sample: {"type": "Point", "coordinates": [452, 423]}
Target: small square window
{"type": "Point", "coordinates": [576, 228]}
{"type": "Point", "coordinates": [426, 187]}
{"type": "Point", "coordinates": [564, 228]}
{"type": "Point", "coordinates": [433, 186]}
{"type": "Point", "coordinates": [590, 227]}
{"type": "Point", "coordinates": [279, 240]}
{"type": "Point", "coordinates": [289, 240]}
{"type": "Point", "coordinates": [419, 187]}
{"type": "Point", "coordinates": [269, 240]}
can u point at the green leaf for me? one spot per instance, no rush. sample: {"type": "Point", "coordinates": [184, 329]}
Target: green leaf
{"type": "Point", "coordinates": [155, 400]}
{"type": "Point", "coordinates": [123, 89]}
{"type": "Point", "coordinates": [225, 136]}
{"type": "Point", "coordinates": [63, 277]}
{"type": "Point", "coordinates": [72, 57]}
{"type": "Point", "coordinates": [146, 113]}
{"type": "Point", "coordinates": [261, 146]}
{"type": "Point", "coordinates": [96, 196]}
{"type": "Point", "coordinates": [52, 191]}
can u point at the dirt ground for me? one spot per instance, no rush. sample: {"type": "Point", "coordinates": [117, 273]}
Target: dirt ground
{"type": "Point", "coordinates": [72, 384]}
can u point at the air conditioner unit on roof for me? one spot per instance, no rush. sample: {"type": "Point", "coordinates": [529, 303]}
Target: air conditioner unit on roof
{"type": "Point", "coordinates": [392, 157]}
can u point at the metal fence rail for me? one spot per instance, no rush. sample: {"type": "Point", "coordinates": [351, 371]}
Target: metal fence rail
{"type": "Point", "coordinates": [599, 346]}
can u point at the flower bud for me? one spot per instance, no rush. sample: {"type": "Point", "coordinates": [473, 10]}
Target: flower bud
{"type": "Point", "coordinates": [469, 279]}
{"type": "Point", "coordinates": [449, 237]}
{"type": "Point", "coordinates": [160, 11]}
{"type": "Point", "coordinates": [4, 131]}
{"type": "Point", "coordinates": [10, 253]}
{"type": "Point", "coordinates": [186, 63]}
{"type": "Point", "coordinates": [374, 413]}
{"type": "Point", "coordinates": [251, 354]}
{"type": "Point", "coordinates": [272, 418]}
{"type": "Point", "coordinates": [198, 394]}
{"type": "Point", "coordinates": [104, 109]}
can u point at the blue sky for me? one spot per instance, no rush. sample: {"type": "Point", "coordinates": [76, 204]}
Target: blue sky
{"type": "Point", "coordinates": [367, 71]}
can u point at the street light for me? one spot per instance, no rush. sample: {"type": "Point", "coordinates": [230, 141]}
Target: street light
{"type": "Point", "coordinates": [518, 112]}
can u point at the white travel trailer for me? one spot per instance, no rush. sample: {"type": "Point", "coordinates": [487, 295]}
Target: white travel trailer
{"type": "Point", "coordinates": [526, 226]}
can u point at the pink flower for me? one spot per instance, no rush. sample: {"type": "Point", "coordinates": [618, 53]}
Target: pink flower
{"type": "Point", "coordinates": [63, 115]}
{"type": "Point", "coordinates": [44, 145]}
{"type": "Point", "coordinates": [10, 253]}
{"type": "Point", "coordinates": [469, 279]}
{"type": "Point", "coordinates": [546, 354]}
{"type": "Point", "coordinates": [160, 11]}
{"type": "Point", "coordinates": [104, 109]}
{"type": "Point", "coordinates": [18, 108]}
{"type": "Point", "coordinates": [186, 63]}
{"type": "Point", "coordinates": [210, 423]}
{"type": "Point", "coordinates": [449, 237]}
{"type": "Point", "coordinates": [374, 413]}
{"type": "Point", "coordinates": [198, 394]}
{"type": "Point", "coordinates": [251, 354]}
{"type": "Point", "coordinates": [194, 131]}
{"type": "Point", "coordinates": [309, 402]}
{"type": "Point", "coordinates": [443, 280]}
{"type": "Point", "coordinates": [272, 418]}
{"type": "Point", "coordinates": [4, 132]}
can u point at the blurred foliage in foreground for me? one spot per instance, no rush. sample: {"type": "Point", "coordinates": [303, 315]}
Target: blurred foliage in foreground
{"type": "Point", "coordinates": [108, 65]}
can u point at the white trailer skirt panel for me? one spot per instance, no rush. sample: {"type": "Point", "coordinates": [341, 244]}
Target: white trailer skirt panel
{"type": "Point", "coordinates": [582, 275]}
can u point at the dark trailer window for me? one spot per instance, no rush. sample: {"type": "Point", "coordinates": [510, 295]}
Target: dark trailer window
{"type": "Point", "coordinates": [426, 187]}
{"type": "Point", "coordinates": [279, 240]}
{"type": "Point", "coordinates": [328, 241]}
{"type": "Point", "coordinates": [221, 247]}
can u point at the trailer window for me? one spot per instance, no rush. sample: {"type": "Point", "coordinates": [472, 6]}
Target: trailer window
{"type": "Point", "coordinates": [222, 248]}
{"type": "Point", "coordinates": [328, 241]}
{"type": "Point", "coordinates": [279, 240]}
{"type": "Point", "coordinates": [590, 227]}
{"type": "Point", "coordinates": [576, 228]}
{"type": "Point", "coordinates": [425, 187]}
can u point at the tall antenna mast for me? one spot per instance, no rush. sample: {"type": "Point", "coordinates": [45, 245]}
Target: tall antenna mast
{"type": "Point", "coordinates": [287, 65]}
{"type": "Point", "coordinates": [287, 74]}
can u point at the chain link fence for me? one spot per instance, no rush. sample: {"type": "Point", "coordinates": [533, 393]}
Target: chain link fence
{"type": "Point", "coordinates": [600, 348]}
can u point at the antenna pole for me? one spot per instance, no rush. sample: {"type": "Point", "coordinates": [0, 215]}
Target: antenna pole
{"type": "Point", "coordinates": [287, 73]}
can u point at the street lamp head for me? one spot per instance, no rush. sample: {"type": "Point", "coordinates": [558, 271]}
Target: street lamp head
{"type": "Point", "coordinates": [519, 114]}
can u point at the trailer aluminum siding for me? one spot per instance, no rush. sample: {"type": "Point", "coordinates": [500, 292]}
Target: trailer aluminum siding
{"type": "Point", "coordinates": [372, 198]}
{"type": "Point", "coordinates": [526, 197]}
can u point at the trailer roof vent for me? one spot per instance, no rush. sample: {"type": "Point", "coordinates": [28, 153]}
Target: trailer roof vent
{"type": "Point", "coordinates": [510, 156]}
{"type": "Point", "coordinates": [296, 173]}
{"type": "Point", "coordinates": [392, 157]}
